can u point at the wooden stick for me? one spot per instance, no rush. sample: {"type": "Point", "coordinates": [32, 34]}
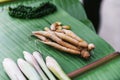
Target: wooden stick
{"type": "Point", "coordinates": [93, 65]}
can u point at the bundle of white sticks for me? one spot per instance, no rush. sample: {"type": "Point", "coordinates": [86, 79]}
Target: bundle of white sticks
{"type": "Point", "coordinates": [34, 68]}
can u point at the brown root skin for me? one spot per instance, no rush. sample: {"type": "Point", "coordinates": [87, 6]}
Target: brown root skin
{"type": "Point", "coordinates": [60, 31]}
{"type": "Point", "coordinates": [71, 40]}
{"type": "Point", "coordinates": [55, 38]}
{"type": "Point", "coordinates": [83, 44]}
{"type": "Point", "coordinates": [50, 34]}
{"type": "Point", "coordinates": [59, 28]}
{"type": "Point", "coordinates": [66, 27]}
{"type": "Point", "coordinates": [40, 33]}
{"type": "Point", "coordinates": [62, 48]}
{"type": "Point", "coordinates": [67, 38]}
{"type": "Point", "coordinates": [64, 40]}
{"type": "Point", "coordinates": [59, 23]}
{"type": "Point", "coordinates": [42, 38]}
{"type": "Point", "coordinates": [69, 45]}
{"type": "Point", "coordinates": [91, 46]}
{"type": "Point", "coordinates": [85, 54]}
{"type": "Point", "coordinates": [46, 29]}
{"type": "Point", "coordinates": [55, 26]}
{"type": "Point", "coordinates": [72, 34]}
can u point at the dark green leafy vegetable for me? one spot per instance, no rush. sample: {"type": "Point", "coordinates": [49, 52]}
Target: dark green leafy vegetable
{"type": "Point", "coordinates": [27, 12]}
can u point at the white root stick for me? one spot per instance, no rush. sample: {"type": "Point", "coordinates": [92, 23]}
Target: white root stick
{"type": "Point", "coordinates": [12, 70]}
{"type": "Point", "coordinates": [28, 70]}
{"type": "Point", "coordinates": [54, 37]}
{"type": "Point", "coordinates": [56, 69]}
{"type": "Point", "coordinates": [31, 59]}
{"type": "Point", "coordinates": [42, 64]}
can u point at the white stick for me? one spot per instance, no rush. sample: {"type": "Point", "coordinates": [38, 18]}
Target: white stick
{"type": "Point", "coordinates": [30, 59]}
{"type": "Point", "coordinates": [28, 70]}
{"type": "Point", "coordinates": [41, 62]}
{"type": "Point", "coordinates": [56, 69]}
{"type": "Point", "coordinates": [12, 70]}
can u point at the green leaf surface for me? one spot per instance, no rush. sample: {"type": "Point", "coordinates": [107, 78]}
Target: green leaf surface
{"type": "Point", "coordinates": [15, 38]}
{"type": "Point", "coordinates": [75, 9]}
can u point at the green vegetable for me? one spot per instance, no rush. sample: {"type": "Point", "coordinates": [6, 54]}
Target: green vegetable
{"type": "Point", "coordinates": [28, 12]}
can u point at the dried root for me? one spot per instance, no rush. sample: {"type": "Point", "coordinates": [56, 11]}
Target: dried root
{"type": "Point", "coordinates": [51, 35]}
{"type": "Point", "coordinates": [85, 54]}
{"type": "Point", "coordinates": [91, 46]}
{"type": "Point", "coordinates": [55, 26]}
{"type": "Point", "coordinates": [58, 46]}
{"type": "Point", "coordinates": [64, 40]}
{"type": "Point", "coordinates": [41, 37]}
{"type": "Point", "coordinates": [58, 26]}
{"type": "Point", "coordinates": [66, 27]}
{"type": "Point", "coordinates": [71, 40]}
{"type": "Point", "coordinates": [72, 34]}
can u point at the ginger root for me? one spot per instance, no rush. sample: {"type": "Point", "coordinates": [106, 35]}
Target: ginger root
{"type": "Point", "coordinates": [63, 39]}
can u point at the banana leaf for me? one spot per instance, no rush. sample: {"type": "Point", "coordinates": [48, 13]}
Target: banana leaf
{"type": "Point", "coordinates": [15, 38]}
{"type": "Point", "coordinates": [75, 9]}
